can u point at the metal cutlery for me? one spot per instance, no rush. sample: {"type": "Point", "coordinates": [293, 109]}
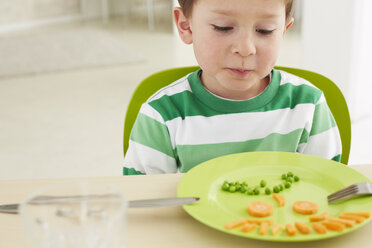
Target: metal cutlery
{"type": "Point", "coordinates": [163, 202]}
{"type": "Point", "coordinates": [364, 188]}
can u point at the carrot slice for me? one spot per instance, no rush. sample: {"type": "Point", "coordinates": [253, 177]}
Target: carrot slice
{"type": "Point", "coordinates": [235, 223]}
{"type": "Point", "coordinates": [303, 228]}
{"type": "Point", "coordinates": [247, 227]}
{"type": "Point", "coordinates": [280, 199]}
{"type": "Point", "coordinates": [264, 228]}
{"type": "Point", "coordinates": [260, 209]}
{"type": "Point", "coordinates": [291, 230]}
{"type": "Point", "coordinates": [319, 217]}
{"type": "Point", "coordinates": [260, 221]}
{"type": "Point", "coordinates": [305, 207]}
{"type": "Point", "coordinates": [319, 228]}
{"type": "Point", "coordinates": [276, 229]}
{"type": "Point", "coordinates": [362, 214]}
{"type": "Point", "coordinates": [334, 226]}
{"type": "Point", "coordinates": [358, 219]}
{"type": "Point", "coordinates": [348, 223]}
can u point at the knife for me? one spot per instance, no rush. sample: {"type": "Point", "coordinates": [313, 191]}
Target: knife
{"type": "Point", "coordinates": [162, 202]}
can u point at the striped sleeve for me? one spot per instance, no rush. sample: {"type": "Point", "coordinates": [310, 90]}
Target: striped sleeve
{"type": "Point", "coordinates": [323, 139]}
{"type": "Point", "coordinates": [150, 150]}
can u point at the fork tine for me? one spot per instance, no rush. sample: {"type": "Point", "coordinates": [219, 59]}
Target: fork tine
{"type": "Point", "coordinates": [343, 197]}
{"type": "Point", "coordinates": [354, 191]}
{"type": "Point", "coordinates": [341, 191]}
{"type": "Point", "coordinates": [340, 194]}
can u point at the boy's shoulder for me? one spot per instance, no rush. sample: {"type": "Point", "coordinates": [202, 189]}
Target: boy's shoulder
{"type": "Point", "coordinates": [295, 80]}
{"type": "Point", "coordinates": [179, 86]}
{"type": "Point", "coordinates": [300, 88]}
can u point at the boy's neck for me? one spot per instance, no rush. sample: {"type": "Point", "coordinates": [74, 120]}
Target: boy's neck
{"type": "Point", "coordinates": [240, 96]}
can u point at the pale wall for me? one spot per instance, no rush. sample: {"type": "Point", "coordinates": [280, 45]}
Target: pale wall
{"type": "Point", "coordinates": [327, 29]}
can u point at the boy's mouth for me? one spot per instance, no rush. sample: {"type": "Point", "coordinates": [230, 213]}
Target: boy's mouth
{"type": "Point", "coordinates": [239, 72]}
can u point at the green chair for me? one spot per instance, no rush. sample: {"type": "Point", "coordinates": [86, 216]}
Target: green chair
{"type": "Point", "coordinates": [335, 99]}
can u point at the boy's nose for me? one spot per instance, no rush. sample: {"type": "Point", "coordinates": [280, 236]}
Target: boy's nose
{"type": "Point", "coordinates": [244, 46]}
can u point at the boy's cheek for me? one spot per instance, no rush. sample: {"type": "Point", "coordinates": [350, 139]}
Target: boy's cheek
{"type": "Point", "coordinates": [208, 51]}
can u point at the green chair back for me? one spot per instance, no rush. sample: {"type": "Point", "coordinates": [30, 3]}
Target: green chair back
{"type": "Point", "coordinates": [335, 99]}
{"type": "Point", "coordinates": [336, 102]}
{"type": "Point", "coordinates": [147, 88]}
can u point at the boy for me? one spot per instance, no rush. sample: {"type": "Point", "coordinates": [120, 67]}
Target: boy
{"type": "Point", "coordinates": [236, 102]}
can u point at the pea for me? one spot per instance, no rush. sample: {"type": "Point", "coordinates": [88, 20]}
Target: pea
{"type": "Point", "coordinates": [225, 186]}
{"type": "Point", "coordinates": [284, 176]}
{"type": "Point", "coordinates": [287, 185]}
{"type": "Point", "coordinates": [296, 178]}
{"type": "Point", "coordinates": [276, 189]}
{"type": "Point", "coordinates": [289, 179]}
{"type": "Point", "coordinates": [250, 192]}
{"type": "Point", "coordinates": [243, 189]}
{"type": "Point", "coordinates": [244, 184]}
{"type": "Point", "coordinates": [256, 191]}
{"type": "Point", "coordinates": [237, 186]}
{"type": "Point", "coordinates": [263, 183]}
{"type": "Point", "coordinates": [267, 191]}
{"type": "Point", "coordinates": [281, 187]}
{"type": "Point", "coordinates": [290, 174]}
{"type": "Point", "coordinates": [232, 188]}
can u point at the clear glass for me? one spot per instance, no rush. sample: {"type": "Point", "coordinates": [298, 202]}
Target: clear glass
{"type": "Point", "coordinates": [96, 220]}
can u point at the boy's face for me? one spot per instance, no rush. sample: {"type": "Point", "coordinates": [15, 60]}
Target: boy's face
{"type": "Point", "coordinates": [236, 43]}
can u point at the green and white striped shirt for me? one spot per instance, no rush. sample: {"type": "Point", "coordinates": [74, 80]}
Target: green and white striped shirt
{"type": "Point", "coordinates": [183, 125]}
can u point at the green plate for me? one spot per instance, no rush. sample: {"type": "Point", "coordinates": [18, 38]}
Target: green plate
{"type": "Point", "coordinates": [318, 178]}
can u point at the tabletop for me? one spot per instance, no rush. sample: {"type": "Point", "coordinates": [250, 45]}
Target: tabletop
{"type": "Point", "coordinates": [160, 227]}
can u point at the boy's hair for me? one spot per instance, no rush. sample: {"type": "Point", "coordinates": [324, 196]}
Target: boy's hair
{"type": "Point", "coordinates": [187, 5]}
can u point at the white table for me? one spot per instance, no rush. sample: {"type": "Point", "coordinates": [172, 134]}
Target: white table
{"type": "Point", "coordinates": [162, 227]}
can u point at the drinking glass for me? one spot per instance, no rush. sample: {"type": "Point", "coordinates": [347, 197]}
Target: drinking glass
{"type": "Point", "coordinates": [71, 215]}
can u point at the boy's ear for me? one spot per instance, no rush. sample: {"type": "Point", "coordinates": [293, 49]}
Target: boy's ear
{"type": "Point", "coordinates": [183, 25]}
{"type": "Point", "coordinates": [288, 25]}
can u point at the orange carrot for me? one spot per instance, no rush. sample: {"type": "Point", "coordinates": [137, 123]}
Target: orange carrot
{"type": "Point", "coordinates": [264, 228]}
{"type": "Point", "coordinates": [291, 230]}
{"type": "Point", "coordinates": [260, 221]}
{"type": "Point", "coordinates": [280, 199]}
{"type": "Point", "coordinates": [319, 228]}
{"type": "Point", "coordinates": [348, 223]}
{"type": "Point", "coordinates": [235, 224]}
{"type": "Point", "coordinates": [247, 227]}
{"type": "Point", "coordinates": [305, 207]}
{"type": "Point", "coordinates": [319, 217]}
{"type": "Point", "coordinates": [334, 226]}
{"type": "Point", "coordinates": [358, 219]}
{"type": "Point", "coordinates": [303, 228]}
{"type": "Point", "coordinates": [365, 214]}
{"type": "Point", "coordinates": [260, 209]}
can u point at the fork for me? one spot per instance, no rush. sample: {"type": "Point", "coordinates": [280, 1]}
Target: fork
{"type": "Point", "coordinates": [357, 189]}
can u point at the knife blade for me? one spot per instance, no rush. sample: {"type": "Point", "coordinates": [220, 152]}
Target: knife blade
{"type": "Point", "coordinates": [148, 203]}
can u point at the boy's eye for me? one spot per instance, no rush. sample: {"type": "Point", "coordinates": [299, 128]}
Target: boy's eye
{"type": "Point", "coordinates": [222, 28]}
{"type": "Point", "coordinates": [264, 31]}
